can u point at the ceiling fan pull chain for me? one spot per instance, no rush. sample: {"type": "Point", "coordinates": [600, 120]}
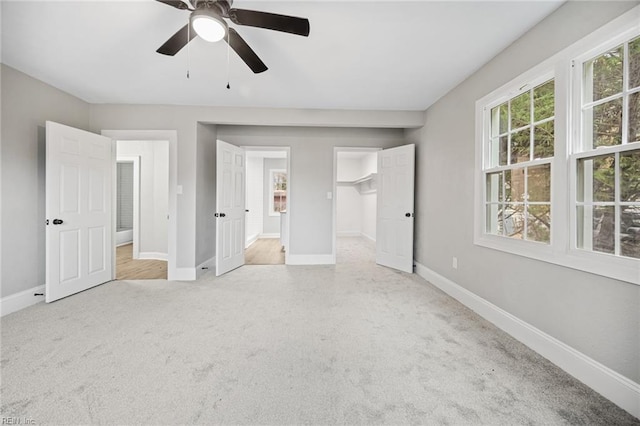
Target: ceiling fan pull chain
{"type": "Point", "coordinates": [188, 48]}
{"type": "Point", "coordinates": [228, 68]}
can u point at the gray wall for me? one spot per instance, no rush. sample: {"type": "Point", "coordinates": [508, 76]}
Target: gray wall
{"type": "Point", "coordinates": [26, 105]}
{"type": "Point", "coordinates": [270, 224]}
{"type": "Point", "coordinates": [597, 316]}
{"type": "Point", "coordinates": [311, 173]}
{"type": "Point", "coordinates": [186, 121]}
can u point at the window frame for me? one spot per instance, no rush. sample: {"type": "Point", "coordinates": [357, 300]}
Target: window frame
{"type": "Point", "coordinates": [562, 67]}
{"type": "Point", "coordinates": [509, 94]}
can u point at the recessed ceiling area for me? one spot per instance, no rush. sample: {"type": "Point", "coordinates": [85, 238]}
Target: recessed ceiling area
{"type": "Point", "coordinates": [368, 55]}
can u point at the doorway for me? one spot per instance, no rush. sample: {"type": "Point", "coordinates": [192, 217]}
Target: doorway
{"type": "Point", "coordinates": [355, 204]}
{"type": "Point", "coordinates": [142, 204]}
{"type": "Point", "coordinates": [267, 182]}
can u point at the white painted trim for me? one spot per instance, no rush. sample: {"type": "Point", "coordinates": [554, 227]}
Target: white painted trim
{"type": "Point", "coordinates": [369, 237]}
{"type": "Point", "coordinates": [252, 239]}
{"type": "Point", "coordinates": [613, 386]}
{"type": "Point", "coordinates": [271, 235]}
{"type": "Point", "coordinates": [349, 234]}
{"type": "Point", "coordinates": [209, 265]}
{"type": "Point", "coordinates": [184, 274]}
{"type": "Point", "coordinates": [311, 259]}
{"type": "Point", "coordinates": [153, 255]}
{"type": "Point", "coordinates": [18, 301]}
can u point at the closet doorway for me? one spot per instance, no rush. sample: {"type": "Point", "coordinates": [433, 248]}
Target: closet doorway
{"type": "Point", "coordinates": [267, 189]}
{"type": "Point", "coordinates": [355, 204]}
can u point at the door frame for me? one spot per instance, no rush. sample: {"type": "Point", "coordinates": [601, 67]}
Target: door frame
{"type": "Point", "coordinates": [336, 150]}
{"type": "Point", "coordinates": [287, 150]}
{"type": "Point", "coordinates": [172, 230]}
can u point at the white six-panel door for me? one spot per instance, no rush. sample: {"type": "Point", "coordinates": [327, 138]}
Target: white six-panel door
{"type": "Point", "coordinates": [230, 207]}
{"type": "Point", "coordinates": [78, 209]}
{"type": "Point", "coordinates": [394, 240]}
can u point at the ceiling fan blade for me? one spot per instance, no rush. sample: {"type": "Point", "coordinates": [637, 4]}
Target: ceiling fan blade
{"type": "Point", "coordinates": [177, 41]}
{"type": "Point", "coordinates": [245, 52]}
{"type": "Point", "coordinates": [270, 21]}
{"type": "Point", "coordinates": [178, 4]}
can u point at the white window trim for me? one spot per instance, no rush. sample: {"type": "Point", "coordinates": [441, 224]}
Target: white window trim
{"type": "Point", "coordinates": [562, 249]}
{"type": "Point", "coordinates": [272, 212]}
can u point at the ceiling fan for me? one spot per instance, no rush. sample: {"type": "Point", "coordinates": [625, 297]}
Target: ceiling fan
{"type": "Point", "coordinates": [207, 21]}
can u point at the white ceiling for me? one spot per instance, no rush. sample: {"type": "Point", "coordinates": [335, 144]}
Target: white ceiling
{"type": "Point", "coordinates": [372, 55]}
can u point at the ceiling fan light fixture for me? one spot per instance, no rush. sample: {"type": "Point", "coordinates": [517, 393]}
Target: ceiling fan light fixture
{"type": "Point", "coordinates": [208, 25]}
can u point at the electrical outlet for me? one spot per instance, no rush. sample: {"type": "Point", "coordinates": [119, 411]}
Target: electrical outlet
{"type": "Point", "coordinates": [454, 263]}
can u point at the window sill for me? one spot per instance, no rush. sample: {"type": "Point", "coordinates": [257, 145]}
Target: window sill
{"type": "Point", "coordinates": [618, 268]}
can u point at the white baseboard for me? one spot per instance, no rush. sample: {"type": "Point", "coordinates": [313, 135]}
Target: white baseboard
{"type": "Point", "coordinates": [152, 255]}
{"type": "Point", "coordinates": [182, 274]}
{"type": "Point", "coordinates": [311, 259]}
{"type": "Point", "coordinates": [613, 386]}
{"type": "Point", "coordinates": [369, 237]}
{"type": "Point", "coordinates": [252, 239]}
{"type": "Point", "coordinates": [206, 266]}
{"type": "Point", "coordinates": [17, 301]}
{"type": "Point", "coordinates": [271, 235]}
{"type": "Point", "coordinates": [349, 234]}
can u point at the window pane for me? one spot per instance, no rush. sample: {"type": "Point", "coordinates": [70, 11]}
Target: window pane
{"type": "Point", "coordinates": [500, 119]}
{"type": "Point", "coordinates": [630, 176]}
{"type": "Point", "coordinates": [596, 230]}
{"type": "Point", "coordinates": [498, 152]}
{"type": "Point", "coordinates": [634, 63]}
{"type": "Point", "coordinates": [596, 178]}
{"type": "Point", "coordinates": [520, 146]}
{"type": "Point", "coordinates": [605, 75]}
{"type": "Point", "coordinates": [543, 101]}
{"type": "Point", "coordinates": [630, 231]}
{"type": "Point", "coordinates": [514, 185]}
{"type": "Point", "coordinates": [513, 220]}
{"type": "Point", "coordinates": [539, 223]}
{"type": "Point", "coordinates": [539, 183]}
{"type": "Point", "coordinates": [607, 124]}
{"type": "Point", "coordinates": [521, 110]}
{"type": "Point", "coordinates": [634, 117]}
{"type": "Point", "coordinates": [494, 187]}
{"type": "Point", "coordinates": [494, 219]}
{"type": "Point", "coordinates": [543, 140]}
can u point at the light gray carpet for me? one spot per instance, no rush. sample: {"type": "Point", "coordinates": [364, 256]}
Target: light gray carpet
{"type": "Point", "coordinates": [355, 343]}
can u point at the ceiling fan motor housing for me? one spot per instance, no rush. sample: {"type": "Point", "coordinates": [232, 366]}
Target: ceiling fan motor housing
{"type": "Point", "coordinates": [220, 7]}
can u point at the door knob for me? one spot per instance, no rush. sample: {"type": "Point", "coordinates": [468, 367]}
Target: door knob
{"type": "Point", "coordinates": [222, 215]}
{"type": "Point", "coordinates": [57, 221]}
{"type": "Point", "coordinates": [407, 214]}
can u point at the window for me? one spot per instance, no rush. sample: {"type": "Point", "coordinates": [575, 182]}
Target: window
{"type": "Point", "coordinates": [607, 198]}
{"type": "Point", "coordinates": [558, 157]}
{"type": "Point", "coordinates": [277, 191]}
{"type": "Point", "coordinates": [517, 171]}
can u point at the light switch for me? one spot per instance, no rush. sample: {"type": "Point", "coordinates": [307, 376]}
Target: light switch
{"type": "Point", "coordinates": [329, 195]}
{"type": "Point", "coordinates": [179, 189]}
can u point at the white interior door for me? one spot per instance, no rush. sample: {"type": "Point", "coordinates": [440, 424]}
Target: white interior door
{"type": "Point", "coordinates": [394, 241]}
{"type": "Point", "coordinates": [78, 208]}
{"type": "Point", "coordinates": [230, 213]}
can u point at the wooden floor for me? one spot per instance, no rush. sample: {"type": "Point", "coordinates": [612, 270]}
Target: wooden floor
{"type": "Point", "coordinates": [128, 268]}
{"type": "Point", "coordinates": [265, 251]}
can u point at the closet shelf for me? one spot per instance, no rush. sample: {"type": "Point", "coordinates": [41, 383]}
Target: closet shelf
{"type": "Point", "coordinates": [364, 185]}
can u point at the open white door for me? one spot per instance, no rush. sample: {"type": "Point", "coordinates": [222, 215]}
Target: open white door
{"type": "Point", "coordinates": [230, 214]}
{"type": "Point", "coordinates": [394, 241]}
{"type": "Point", "coordinates": [78, 209]}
